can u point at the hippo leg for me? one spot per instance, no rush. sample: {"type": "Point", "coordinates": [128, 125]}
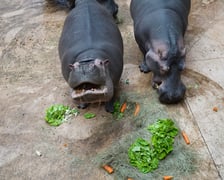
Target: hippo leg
{"type": "Point", "coordinates": [82, 105]}
{"type": "Point", "coordinates": [109, 106]}
{"type": "Point", "coordinates": [143, 67]}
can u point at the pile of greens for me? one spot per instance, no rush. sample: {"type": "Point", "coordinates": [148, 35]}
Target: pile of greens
{"type": "Point", "coordinates": [146, 155]}
{"type": "Point", "coordinates": [57, 114]}
{"type": "Point", "coordinates": [89, 115]}
{"type": "Point", "coordinates": [117, 113]}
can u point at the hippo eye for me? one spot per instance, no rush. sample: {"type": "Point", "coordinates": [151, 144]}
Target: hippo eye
{"type": "Point", "coordinates": [106, 61]}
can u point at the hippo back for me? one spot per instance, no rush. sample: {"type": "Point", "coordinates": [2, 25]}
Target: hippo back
{"type": "Point", "coordinates": [141, 7]}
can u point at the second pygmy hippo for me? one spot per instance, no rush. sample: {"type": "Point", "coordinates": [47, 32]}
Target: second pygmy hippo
{"type": "Point", "coordinates": [159, 27]}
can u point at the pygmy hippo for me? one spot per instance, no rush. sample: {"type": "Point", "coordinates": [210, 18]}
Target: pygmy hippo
{"type": "Point", "coordinates": [111, 6]}
{"type": "Point", "coordinates": [91, 54]}
{"type": "Point", "coordinates": [159, 27]}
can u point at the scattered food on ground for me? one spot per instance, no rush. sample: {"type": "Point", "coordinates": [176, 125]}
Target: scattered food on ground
{"type": "Point", "coordinates": [130, 179]}
{"type": "Point", "coordinates": [123, 107]}
{"type": "Point", "coordinates": [65, 145]}
{"type": "Point", "coordinates": [137, 109]}
{"type": "Point", "coordinates": [117, 113]}
{"type": "Point", "coordinates": [186, 139]}
{"type": "Point", "coordinates": [215, 109]}
{"type": "Point", "coordinates": [167, 177]}
{"type": "Point", "coordinates": [38, 153]}
{"type": "Point", "coordinates": [145, 155]}
{"type": "Point", "coordinates": [57, 114]}
{"type": "Point", "coordinates": [127, 81]}
{"type": "Point", "coordinates": [89, 115]}
{"type": "Point", "coordinates": [108, 168]}
{"type": "Point", "coordinates": [142, 156]}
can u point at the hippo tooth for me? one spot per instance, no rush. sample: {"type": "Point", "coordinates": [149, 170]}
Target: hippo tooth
{"type": "Point", "coordinates": [78, 93]}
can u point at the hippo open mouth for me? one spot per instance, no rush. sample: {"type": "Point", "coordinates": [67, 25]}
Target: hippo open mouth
{"type": "Point", "coordinates": [89, 92]}
{"type": "Point", "coordinates": [90, 81]}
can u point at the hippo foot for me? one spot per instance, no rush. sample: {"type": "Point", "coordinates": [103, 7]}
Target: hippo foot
{"type": "Point", "coordinates": [144, 68]}
{"type": "Point", "coordinates": [109, 106]}
{"type": "Point", "coordinates": [82, 106]}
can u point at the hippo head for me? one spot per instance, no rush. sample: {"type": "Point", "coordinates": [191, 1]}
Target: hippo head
{"type": "Point", "coordinates": [111, 6]}
{"type": "Point", "coordinates": [162, 60]}
{"type": "Point", "coordinates": [166, 63]}
{"type": "Point", "coordinates": [90, 81]}
{"type": "Point", "coordinates": [169, 85]}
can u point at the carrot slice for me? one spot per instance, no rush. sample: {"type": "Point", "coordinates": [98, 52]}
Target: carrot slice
{"type": "Point", "coordinates": [108, 168]}
{"type": "Point", "coordinates": [186, 139]}
{"type": "Point", "coordinates": [167, 177]}
{"type": "Point", "coordinates": [123, 107]}
{"type": "Point", "coordinates": [137, 109]}
{"type": "Point", "coordinates": [215, 109]}
{"type": "Point", "coordinates": [129, 179]}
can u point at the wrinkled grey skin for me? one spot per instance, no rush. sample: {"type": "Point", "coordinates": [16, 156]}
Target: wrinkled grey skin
{"type": "Point", "coordinates": [159, 27]}
{"type": "Point", "coordinates": [110, 5]}
{"type": "Point", "coordinates": [91, 53]}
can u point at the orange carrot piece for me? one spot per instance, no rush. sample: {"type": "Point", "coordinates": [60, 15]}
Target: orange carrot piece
{"type": "Point", "coordinates": [65, 145]}
{"type": "Point", "coordinates": [108, 168]}
{"type": "Point", "coordinates": [186, 139]}
{"type": "Point", "coordinates": [137, 109]}
{"type": "Point", "coordinates": [215, 109]}
{"type": "Point", "coordinates": [167, 177]}
{"type": "Point", "coordinates": [123, 107]}
{"type": "Point", "coordinates": [129, 179]}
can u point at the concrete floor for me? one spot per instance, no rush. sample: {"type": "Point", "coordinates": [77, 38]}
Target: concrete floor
{"type": "Point", "coordinates": [31, 81]}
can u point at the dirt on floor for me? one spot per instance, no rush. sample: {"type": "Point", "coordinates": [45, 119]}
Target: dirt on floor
{"type": "Point", "coordinates": [31, 81]}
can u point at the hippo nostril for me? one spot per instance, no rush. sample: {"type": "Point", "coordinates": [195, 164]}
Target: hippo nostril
{"type": "Point", "coordinates": [157, 84]}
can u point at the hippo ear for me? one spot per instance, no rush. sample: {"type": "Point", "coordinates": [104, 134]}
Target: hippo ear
{"type": "Point", "coordinates": [71, 66]}
{"type": "Point", "coordinates": [106, 62]}
{"type": "Point", "coordinates": [152, 55]}
{"type": "Point", "coordinates": [99, 62]}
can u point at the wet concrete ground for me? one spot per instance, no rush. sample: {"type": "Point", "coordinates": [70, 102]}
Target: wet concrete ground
{"type": "Point", "coordinates": [31, 81]}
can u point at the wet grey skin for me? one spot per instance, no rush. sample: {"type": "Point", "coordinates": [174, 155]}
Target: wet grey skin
{"type": "Point", "coordinates": [91, 54]}
{"type": "Point", "coordinates": [159, 28]}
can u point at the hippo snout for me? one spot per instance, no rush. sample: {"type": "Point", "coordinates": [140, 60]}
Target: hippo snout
{"type": "Point", "coordinates": [170, 87]}
{"type": "Point", "coordinates": [169, 94]}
